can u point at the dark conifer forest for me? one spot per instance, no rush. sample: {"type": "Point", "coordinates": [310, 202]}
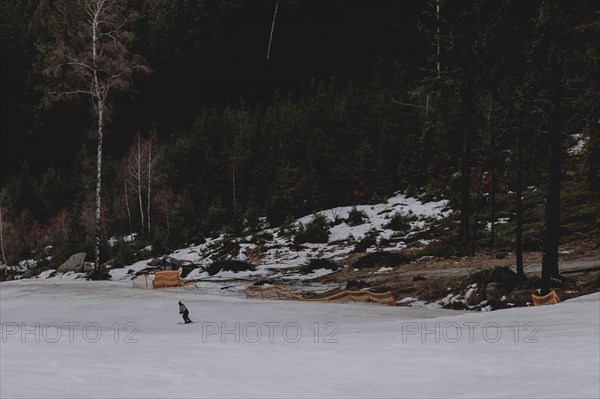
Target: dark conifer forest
{"type": "Point", "coordinates": [213, 116]}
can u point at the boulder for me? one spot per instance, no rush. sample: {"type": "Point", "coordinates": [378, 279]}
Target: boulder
{"type": "Point", "coordinates": [316, 264]}
{"type": "Point", "coordinates": [73, 264]}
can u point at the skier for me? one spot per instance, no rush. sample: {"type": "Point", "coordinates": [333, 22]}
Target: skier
{"type": "Point", "coordinates": [185, 312]}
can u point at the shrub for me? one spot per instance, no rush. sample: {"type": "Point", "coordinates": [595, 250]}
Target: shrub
{"type": "Point", "coordinates": [261, 237]}
{"type": "Point", "coordinates": [316, 231]}
{"type": "Point", "coordinates": [123, 253]}
{"type": "Point", "coordinates": [289, 228]}
{"type": "Point", "coordinates": [101, 274]}
{"type": "Point", "coordinates": [229, 248]}
{"type": "Point", "coordinates": [216, 217]}
{"type": "Point", "coordinates": [500, 274]}
{"type": "Point", "coordinates": [276, 210]}
{"type": "Point", "coordinates": [438, 249]}
{"type": "Point", "coordinates": [229, 265]}
{"type": "Point", "coordinates": [381, 259]}
{"type": "Point", "coordinates": [398, 223]}
{"type": "Point", "coordinates": [159, 245]}
{"type": "Point", "coordinates": [356, 217]}
{"type": "Point", "coordinates": [369, 240]}
{"type": "Point", "coordinates": [434, 290]}
{"type": "Point", "coordinates": [252, 220]}
{"type": "Point", "coordinates": [34, 271]}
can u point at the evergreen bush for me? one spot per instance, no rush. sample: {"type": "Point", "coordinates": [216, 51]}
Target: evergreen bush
{"type": "Point", "coordinates": [356, 217]}
{"type": "Point", "coordinates": [315, 231]}
{"type": "Point", "coordinates": [398, 223]}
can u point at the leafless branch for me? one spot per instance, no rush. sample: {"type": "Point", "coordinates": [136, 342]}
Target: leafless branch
{"type": "Point", "coordinates": [70, 93]}
{"type": "Point", "coordinates": [410, 105]}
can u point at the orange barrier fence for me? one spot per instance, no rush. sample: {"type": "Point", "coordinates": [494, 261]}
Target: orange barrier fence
{"type": "Point", "coordinates": [163, 279]}
{"type": "Point", "coordinates": [167, 278]}
{"type": "Point", "coordinates": [278, 292]}
{"type": "Point", "coordinates": [548, 299]}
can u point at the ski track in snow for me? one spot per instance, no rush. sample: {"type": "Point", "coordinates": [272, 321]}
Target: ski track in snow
{"type": "Point", "coordinates": [374, 355]}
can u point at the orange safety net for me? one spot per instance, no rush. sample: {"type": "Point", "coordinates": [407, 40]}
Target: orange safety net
{"type": "Point", "coordinates": [278, 292]}
{"type": "Point", "coordinates": [549, 299]}
{"type": "Point", "coordinates": [149, 281]}
{"type": "Point", "coordinates": [167, 278]}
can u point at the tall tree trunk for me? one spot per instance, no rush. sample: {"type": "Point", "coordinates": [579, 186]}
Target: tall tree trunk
{"type": "Point", "coordinates": [128, 208]}
{"type": "Point", "coordinates": [552, 217]}
{"type": "Point", "coordinates": [233, 185]}
{"type": "Point", "coordinates": [89, 63]}
{"type": "Point", "coordinates": [593, 161]}
{"type": "Point", "coordinates": [99, 188]}
{"type": "Point", "coordinates": [100, 104]}
{"type": "Point", "coordinates": [2, 236]}
{"type": "Point", "coordinates": [149, 181]}
{"type": "Point", "coordinates": [465, 188]}
{"type": "Point", "coordinates": [476, 215]}
{"type": "Point", "coordinates": [438, 40]}
{"type": "Point", "coordinates": [138, 177]}
{"type": "Point", "coordinates": [519, 201]}
{"type": "Point", "coordinates": [492, 172]}
{"type": "Point", "coordinates": [167, 212]}
{"type": "Point", "coordinates": [493, 210]}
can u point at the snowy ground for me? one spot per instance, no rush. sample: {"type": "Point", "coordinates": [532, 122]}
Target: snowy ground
{"type": "Point", "coordinates": [248, 348]}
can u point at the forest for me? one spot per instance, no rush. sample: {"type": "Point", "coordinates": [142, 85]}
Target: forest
{"type": "Point", "coordinates": [203, 117]}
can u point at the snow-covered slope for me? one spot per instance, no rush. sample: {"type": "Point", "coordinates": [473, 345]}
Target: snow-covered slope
{"type": "Point", "coordinates": [273, 256]}
{"type": "Point", "coordinates": [248, 348]}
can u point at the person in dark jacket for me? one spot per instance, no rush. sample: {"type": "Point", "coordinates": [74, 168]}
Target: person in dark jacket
{"type": "Point", "coordinates": [185, 312]}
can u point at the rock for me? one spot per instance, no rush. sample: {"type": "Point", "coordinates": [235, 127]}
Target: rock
{"type": "Point", "coordinates": [229, 265]}
{"type": "Point", "coordinates": [501, 255]}
{"type": "Point", "coordinates": [494, 291]}
{"type": "Point", "coordinates": [154, 262]}
{"type": "Point", "coordinates": [316, 264]}
{"type": "Point", "coordinates": [73, 264]}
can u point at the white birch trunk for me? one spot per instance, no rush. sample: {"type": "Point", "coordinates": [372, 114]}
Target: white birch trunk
{"type": "Point", "coordinates": [99, 187]}
{"type": "Point", "coordinates": [100, 104]}
{"type": "Point", "coordinates": [149, 181]}
{"type": "Point", "coordinates": [128, 209]}
{"type": "Point", "coordinates": [138, 177]}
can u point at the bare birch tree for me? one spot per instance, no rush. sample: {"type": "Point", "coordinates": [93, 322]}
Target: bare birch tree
{"type": "Point", "coordinates": [152, 159]}
{"type": "Point", "coordinates": [140, 169]}
{"type": "Point", "coordinates": [95, 64]}
{"type": "Point", "coordinates": [125, 184]}
{"type": "Point", "coordinates": [137, 168]}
